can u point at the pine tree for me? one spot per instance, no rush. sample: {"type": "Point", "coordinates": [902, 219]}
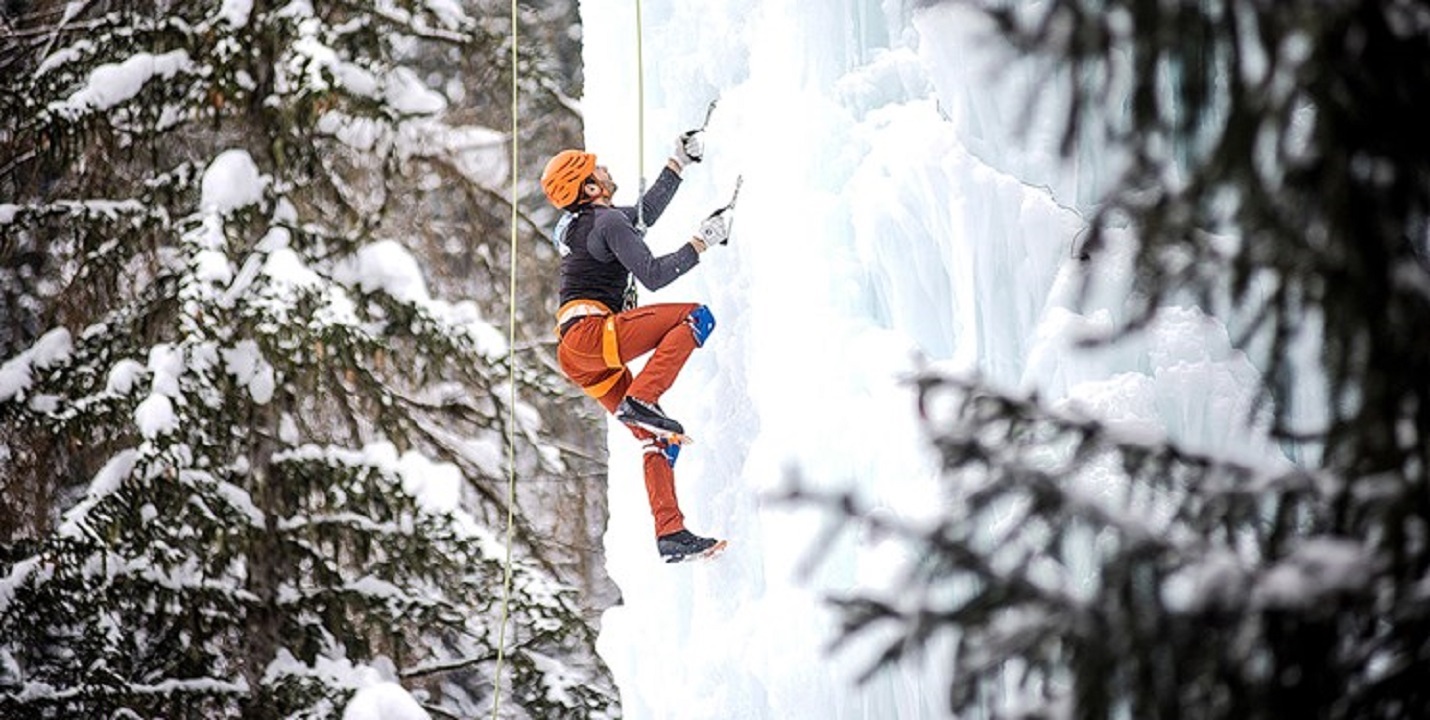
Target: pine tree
{"type": "Point", "coordinates": [249, 456]}
{"type": "Point", "coordinates": [461, 228]}
{"type": "Point", "coordinates": [1278, 172]}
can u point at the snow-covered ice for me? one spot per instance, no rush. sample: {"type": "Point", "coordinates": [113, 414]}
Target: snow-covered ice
{"type": "Point", "coordinates": [902, 208]}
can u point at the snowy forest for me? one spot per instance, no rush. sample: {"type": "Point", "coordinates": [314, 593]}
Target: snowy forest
{"type": "Point", "coordinates": [274, 428]}
{"type": "Point", "coordinates": [255, 406]}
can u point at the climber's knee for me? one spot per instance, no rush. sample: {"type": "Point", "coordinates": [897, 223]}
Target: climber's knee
{"type": "Point", "coordinates": [702, 323]}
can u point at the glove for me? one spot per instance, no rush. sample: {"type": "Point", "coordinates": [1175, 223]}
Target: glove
{"type": "Point", "coordinates": [715, 230]}
{"type": "Point", "coordinates": [689, 148]}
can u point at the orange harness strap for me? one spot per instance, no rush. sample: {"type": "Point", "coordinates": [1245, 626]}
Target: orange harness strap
{"type": "Point", "coordinates": [610, 348]}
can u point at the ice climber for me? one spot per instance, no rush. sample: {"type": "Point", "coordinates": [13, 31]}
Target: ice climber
{"type": "Point", "coordinates": [602, 329]}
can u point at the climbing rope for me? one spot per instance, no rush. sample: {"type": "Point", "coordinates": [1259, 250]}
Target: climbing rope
{"type": "Point", "coordinates": [511, 315]}
{"type": "Point", "coordinates": [640, 120]}
{"type": "Point", "coordinates": [511, 380]}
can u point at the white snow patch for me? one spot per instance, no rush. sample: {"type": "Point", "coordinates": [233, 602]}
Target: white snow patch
{"type": "Point", "coordinates": [166, 362]}
{"type": "Point", "coordinates": [1316, 568]}
{"type": "Point", "coordinates": [384, 266]}
{"type": "Point", "coordinates": [17, 374]}
{"type": "Point", "coordinates": [63, 56]}
{"type": "Point", "coordinates": [105, 482]}
{"type": "Point", "coordinates": [384, 701]}
{"type": "Point", "coordinates": [231, 181]}
{"type": "Point", "coordinates": [1217, 580]}
{"type": "Point", "coordinates": [409, 96]}
{"type": "Point", "coordinates": [115, 83]}
{"type": "Point", "coordinates": [448, 12]}
{"type": "Point", "coordinates": [245, 362]}
{"type": "Point", "coordinates": [435, 485]}
{"type": "Point", "coordinates": [286, 268]}
{"type": "Point", "coordinates": [236, 12]}
{"type": "Point", "coordinates": [155, 416]}
{"type": "Point", "coordinates": [320, 57]}
{"type": "Point", "coordinates": [212, 266]}
{"type": "Point", "coordinates": [123, 376]}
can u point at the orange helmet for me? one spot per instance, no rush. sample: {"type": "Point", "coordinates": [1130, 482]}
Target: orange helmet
{"type": "Point", "coordinates": [562, 178]}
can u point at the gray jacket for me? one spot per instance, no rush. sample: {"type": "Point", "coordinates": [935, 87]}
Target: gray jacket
{"type": "Point", "coordinates": [605, 249]}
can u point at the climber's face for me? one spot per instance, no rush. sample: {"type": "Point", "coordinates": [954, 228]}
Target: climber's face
{"type": "Point", "coordinates": [605, 186]}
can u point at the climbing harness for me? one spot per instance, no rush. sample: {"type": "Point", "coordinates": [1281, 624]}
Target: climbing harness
{"type": "Point", "coordinates": [610, 347]}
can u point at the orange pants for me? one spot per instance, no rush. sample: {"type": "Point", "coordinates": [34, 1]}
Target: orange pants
{"type": "Point", "coordinates": [660, 328]}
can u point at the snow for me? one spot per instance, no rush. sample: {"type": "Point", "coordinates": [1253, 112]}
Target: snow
{"type": "Point", "coordinates": [166, 363]}
{"type": "Point", "coordinates": [378, 696]}
{"type": "Point", "coordinates": [230, 182]}
{"type": "Point", "coordinates": [236, 12]}
{"type": "Point", "coordinates": [286, 268]}
{"type": "Point", "coordinates": [123, 376]}
{"type": "Point", "coordinates": [245, 363]}
{"type": "Point", "coordinates": [105, 481]}
{"type": "Point", "coordinates": [17, 374]}
{"type": "Point", "coordinates": [384, 701]}
{"type": "Point", "coordinates": [407, 94]}
{"type": "Point", "coordinates": [322, 61]}
{"type": "Point", "coordinates": [435, 485]}
{"type": "Point", "coordinates": [902, 209]}
{"type": "Point", "coordinates": [384, 266]}
{"type": "Point", "coordinates": [63, 56]}
{"type": "Point", "coordinates": [448, 11]}
{"type": "Point", "coordinates": [1318, 568]}
{"type": "Point", "coordinates": [387, 266]}
{"type": "Point", "coordinates": [115, 83]}
{"type": "Point", "coordinates": [480, 154]}
{"type": "Point", "coordinates": [155, 416]}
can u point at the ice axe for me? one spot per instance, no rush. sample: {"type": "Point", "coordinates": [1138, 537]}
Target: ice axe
{"type": "Point", "coordinates": [708, 112]}
{"type": "Point", "coordinates": [685, 136]}
{"type": "Point", "coordinates": [728, 210]}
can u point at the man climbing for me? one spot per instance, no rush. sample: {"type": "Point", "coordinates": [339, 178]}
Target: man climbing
{"type": "Point", "coordinates": [601, 329]}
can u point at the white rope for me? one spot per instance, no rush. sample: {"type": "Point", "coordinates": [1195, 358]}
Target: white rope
{"type": "Point", "coordinates": [511, 378]}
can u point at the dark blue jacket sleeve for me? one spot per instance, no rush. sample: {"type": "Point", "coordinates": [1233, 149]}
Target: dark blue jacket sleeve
{"type": "Point", "coordinates": [613, 235]}
{"type": "Point", "coordinates": [657, 196]}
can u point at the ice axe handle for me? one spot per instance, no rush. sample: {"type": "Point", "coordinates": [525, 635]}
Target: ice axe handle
{"type": "Point", "coordinates": [708, 112]}
{"type": "Point", "coordinates": [730, 208]}
{"type": "Point", "coordinates": [696, 131]}
{"type": "Point", "coordinates": [739, 180]}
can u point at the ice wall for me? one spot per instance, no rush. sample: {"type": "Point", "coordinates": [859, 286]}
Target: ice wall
{"type": "Point", "coordinates": [900, 207]}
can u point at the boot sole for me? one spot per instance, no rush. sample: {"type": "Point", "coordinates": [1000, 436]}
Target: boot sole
{"type": "Point", "coordinates": [709, 553]}
{"type": "Point", "coordinates": [666, 434]}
